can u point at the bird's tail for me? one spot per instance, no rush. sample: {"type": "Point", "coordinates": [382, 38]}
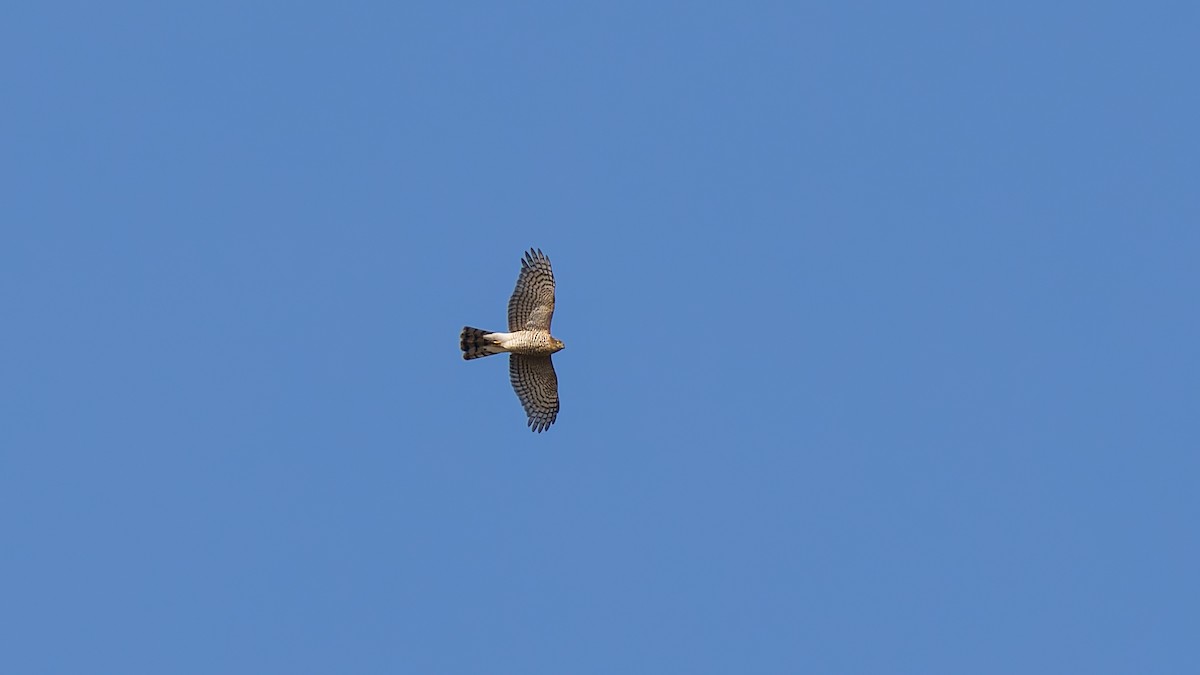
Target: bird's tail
{"type": "Point", "coordinates": [474, 345]}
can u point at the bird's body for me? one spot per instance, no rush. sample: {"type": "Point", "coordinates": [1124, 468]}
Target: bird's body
{"type": "Point", "coordinates": [528, 341]}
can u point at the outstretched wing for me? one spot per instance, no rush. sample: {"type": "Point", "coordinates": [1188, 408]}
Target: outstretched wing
{"type": "Point", "coordinates": [536, 385]}
{"type": "Point", "coordinates": [532, 303]}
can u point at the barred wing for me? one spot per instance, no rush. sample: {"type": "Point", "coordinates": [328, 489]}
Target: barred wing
{"type": "Point", "coordinates": [532, 303]}
{"type": "Point", "coordinates": [536, 385]}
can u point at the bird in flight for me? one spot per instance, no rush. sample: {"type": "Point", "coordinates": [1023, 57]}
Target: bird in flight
{"type": "Point", "coordinates": [528, 342]}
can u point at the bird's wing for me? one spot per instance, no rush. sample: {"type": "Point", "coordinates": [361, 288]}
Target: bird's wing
{"type": "Point", "coordinates": [536, 385]}
{"type": "Point", "coordinates": [531, 306]}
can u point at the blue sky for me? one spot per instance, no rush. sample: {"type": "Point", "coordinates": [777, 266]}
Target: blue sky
{"type": "Point", "coordinates": [880, 320]}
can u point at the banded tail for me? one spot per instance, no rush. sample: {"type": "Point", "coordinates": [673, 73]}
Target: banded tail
{"type": "Point", "coordinates": [475, 346]}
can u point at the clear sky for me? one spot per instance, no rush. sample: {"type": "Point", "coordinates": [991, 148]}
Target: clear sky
{"type": "Point", "coordinates": [881, 327]}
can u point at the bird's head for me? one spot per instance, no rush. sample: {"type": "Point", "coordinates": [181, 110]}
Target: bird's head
{"type": "Point", "coordinates": [558, 344]}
